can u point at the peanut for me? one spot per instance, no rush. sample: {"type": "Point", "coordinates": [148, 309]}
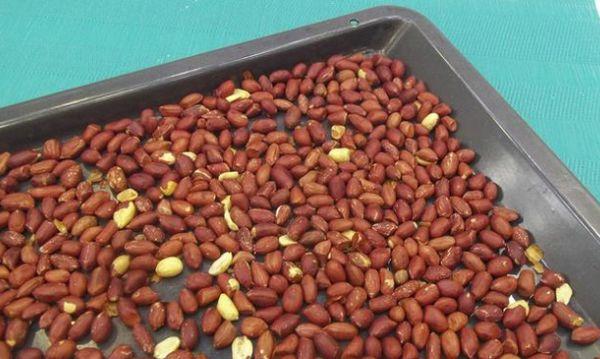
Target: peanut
{"type": "Point", "coordinates": [221, 264]}
{"type": "Point", "coordinates": [227, 309]}
{"type": "Point", "coordinates": [169, 267]}
{"type": "Point", "coordinates": [166, 347]}
{"type": "Point", "coordinates": [123, 216]}
{"type": "Point", "coordinates": [241, 348]}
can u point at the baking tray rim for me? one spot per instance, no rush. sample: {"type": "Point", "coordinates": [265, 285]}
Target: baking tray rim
{"type": "Point", "coordinates": [580, 202]}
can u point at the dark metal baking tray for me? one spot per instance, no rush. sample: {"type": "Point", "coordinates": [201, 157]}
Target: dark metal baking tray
{"type": "Point", "coordinates": [563, 217]}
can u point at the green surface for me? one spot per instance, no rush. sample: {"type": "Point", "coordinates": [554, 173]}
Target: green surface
{"type": "Point", "coordinates": [543, 56]}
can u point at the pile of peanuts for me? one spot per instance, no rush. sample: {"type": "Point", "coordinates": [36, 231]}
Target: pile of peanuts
{"type": "Point", "coordinates": [352, 227]}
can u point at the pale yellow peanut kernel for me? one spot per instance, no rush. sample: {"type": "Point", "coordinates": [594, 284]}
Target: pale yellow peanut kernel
{"type": "Point", "coordinates": [577, 322]}
{"type": "Point", "coordinates": [238, 94]}
{"type": "Point", "coordinates": [121, 264]}
{"type": "Point", "coordinates": [69, 307]}
{"type": "Point", "coordinates": [285, 241]}
{"type": "Point", "coordinates": [430, 121]}
{"type": "Point", "coordinates": [166, 347]}
{"type": "Point", "coordinates": [539, 267]}
{"type": "Point", "coordinates": [340, 155]}
{"type": "Point", "coordinates": [534, 253]}
{"type": "Point", "coordinates": [226, 202]}
{"type": "Point", "coordinates": [128, 194]}
{"type": "Point", "coordinates": [337, 131]}
{"type": "Point", "coordinates": [294, 273]}
{"type": "Point", "coordinates": [422, 162]}
{"type": "Point", "coordinates": [401, 276]}
{"type": "Point", "coordinates": [229, 175]}
{"type": "Point", "coordinates": [111, 309]}
{"type": "Point", "coordinates": [123, 216]}
{"type": "Point", "coordinates": [168, 188]}
{"type": "Point", "coordinates": [191, 155]}
{"type": "Point", "coordinates": [349, 234]}
{"type": "Point", "coordinates": [227, 309]}
{"type": "Point", "coordinates": [564, 293]}
{"type": "Point", "coordinates": [167, 158]}
{"type": "Point", "coordinates": [230, 223]}
{"type": "Point", "coordinates": [233, 284]}
{"type": "Point", "coordinates": [169, 267]}
{"type": "Point", "coordinates": [221, 264]}
{"type": "Point", "coordinates": [60, 226]}
{"type": "Point", "coordinates": [241, 348]}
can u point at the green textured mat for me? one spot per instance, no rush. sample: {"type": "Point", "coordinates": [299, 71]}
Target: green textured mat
{"type": "Point", "coordinates": [543, 56]}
